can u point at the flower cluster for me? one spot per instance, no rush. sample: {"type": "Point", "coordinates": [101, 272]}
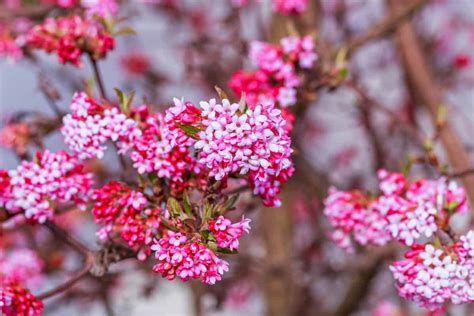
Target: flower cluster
{"type": "Point", "coordinates": [103, 8]}
{"type": "Point", "coordinates": [35, 187]}
{"type": "Point", "coordinates": [15, 136]}
{"type": "Point", "coordinates": [125, 211]}
{"type": "Point", "coordinates": [404, 211]}
{"type": "Point", "coordinates": [187, 258]}
{"type": "Point", "coordinates": [188, 142]}
{"type": "Point", "coordinates": [278, 74]}
{"type": "Point", "coordinates": [354, 215]}
{"type": "Point", "coordinates": [69, 37]}
{"type": "Point", "coordinates": [253, 142]}
{"type": "Point", "coordinates": [20, 266]}
{"type": "Point", "coordinates": [16, 300]}
{"type": "Point", "coordinates": [432, 276]}
{"type": "Point", "coordinates": [417, 209]}
{"type": "Point", "coordinates": [8, 45]}
{"type": "Point", "coordinates": [90, 125]}
{"type": "Point", "coordinates": [227, 234]}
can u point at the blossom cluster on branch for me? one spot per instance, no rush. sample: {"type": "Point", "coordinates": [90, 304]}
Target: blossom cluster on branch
{"type": "Point", "coordinates": [434, 272]}
{"type": "Point", "coordinates": [280, 70]}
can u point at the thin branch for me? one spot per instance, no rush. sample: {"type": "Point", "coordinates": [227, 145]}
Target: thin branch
{"type": "Point", "coordinates": [98, 77]}
{"type": "Point", "coordinates": [68, 239]}
{"type": "Point", "coordinates": [462, 173]}
{"type": "Point", "coordinates": [237, 190]}
{"type": "Point", "coordinates": [370, 101]}
{"type": "Point", "coordinates": [84, 271]}
{"type": "Point", "coordinates": [387, 25]}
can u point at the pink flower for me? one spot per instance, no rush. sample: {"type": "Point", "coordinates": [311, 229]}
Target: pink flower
{"type": "Point", "coordinates": [254, 142]}
{"type": "Point", "coordinates": [187, 259]}
{"type": "Point", "coordinates": [69, 37]}
{"type": "Point", "coordinates": [226, 233]}
{"type": "Point", "coordinates": [16, 300]}
{"type": "Point", "coordinates": [103, 8]}
{"type": "Point", "coordinates": [125, 211]}
{"type": "Point", "coordinates": [90, 125]}
{"type": "Point", "coordinates": [433, 276]}
{"type": "Point", "coordinates": [279, 71]}
{"type": "Point", "coordinates": [290, 6]}
{"type": "Point", "coordinates": [355, 217]}
{"type": "Point", "coordinates": [53, 177]}
{"type": "Point", "coordinates": [21, 265]}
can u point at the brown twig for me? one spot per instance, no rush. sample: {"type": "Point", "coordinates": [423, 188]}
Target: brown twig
{"type": "Point", "coordinates": [84, 271]}
{"type": "Point", "coordinates": [372, 102]}
{"type": "Point", "coordinates": [387, 25]}
{"type": "Point", "coordinates": [68, 239]}
{"type": "Point", "coordinates": [461, 174]}
{"type": "Point", "coordinates": [98, 77]}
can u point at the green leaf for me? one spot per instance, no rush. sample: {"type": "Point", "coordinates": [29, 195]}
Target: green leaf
{"type": "Point", "coordinates": [187, 204]}
{"type": "Point", "coordinates": [153, 177]}
{"type": "Point", "coordinates": [174, 206]}
{"type": "Point", "coordinates": [227, 250]}
{"type": "Point", "coordinates": [212, 245]}
{"type": "Point", "coordinates": [125, 30]}
{"type": "Point", "coordinates": [189, 130]}
{"type": "Point", "coordinates": [230, 202]}
{"type": "Point", "coordinates": [342, 73]}
{"type": "Point", "coordinates": [221, 93]}
{"type": "Point", "coordinates": [124, 99]}
{"type": "Point", "coordinates": [243, 102]}
{"type": "Point", "coordinates": [120, 95]}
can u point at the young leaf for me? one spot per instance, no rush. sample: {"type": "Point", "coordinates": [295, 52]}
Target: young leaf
{"type": "Point", "coordinates": [174, 206]}
{"type": "Point", "coordinates": [221, 93]}
{"type": "Point", "coordinates": [189, 130]}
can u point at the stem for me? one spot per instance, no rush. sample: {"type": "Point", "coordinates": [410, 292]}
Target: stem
{"type": "Point", "coordinates": [67, 284]}
{"type": "Point", "coordinates": [68, 239]}
{"type": "Point", "coordinates": [98, 77]}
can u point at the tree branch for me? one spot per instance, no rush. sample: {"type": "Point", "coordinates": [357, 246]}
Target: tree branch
{"type": "Point", "coordinates": [69, 283]}
{"type": "Point", "coordinates": [68, 239]}
{"type": "Point", "coordinates": [387, 25]}
{"type": "Point", "coordinates": [421, 76]}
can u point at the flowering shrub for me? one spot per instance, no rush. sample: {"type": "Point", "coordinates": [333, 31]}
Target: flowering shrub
{"type": "Point", "coordinates": [173, 187]}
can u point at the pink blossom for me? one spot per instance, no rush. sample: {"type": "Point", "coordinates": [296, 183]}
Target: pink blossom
{"type": "Point", "coordinates": [69, 37]}
{"type": "Point", "coordinates": [432, 276]}
{"type": "Point", "coordinates": [289, 6]}
{"type": "Point", "coordinates": [254, 142]}
{"type": "Point", "coordinates": [126, 212]}
{"type": "Point", "coordinates": [103, 8]}
{"type": "Point", "coordinates": [20, 265]}
{"type": "Point", "coordinates": [16, 300]}
{"type": "Point", "coordinates": [90, 125]}
{"type": "Point", "coordinates": [53, 177]}
{"type": "Point", "coordinates": [355, 217]}
{"type": "Point", "coordinates": [226, 233]}
{"type": "Point", "coordinates": [187, 259]}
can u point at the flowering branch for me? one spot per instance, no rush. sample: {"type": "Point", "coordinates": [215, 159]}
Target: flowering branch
{"type": "Point", "coordinates": [98, 77]}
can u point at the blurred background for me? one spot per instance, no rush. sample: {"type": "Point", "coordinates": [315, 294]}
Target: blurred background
{"type": "Point", "coordinates": [287, 265]}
